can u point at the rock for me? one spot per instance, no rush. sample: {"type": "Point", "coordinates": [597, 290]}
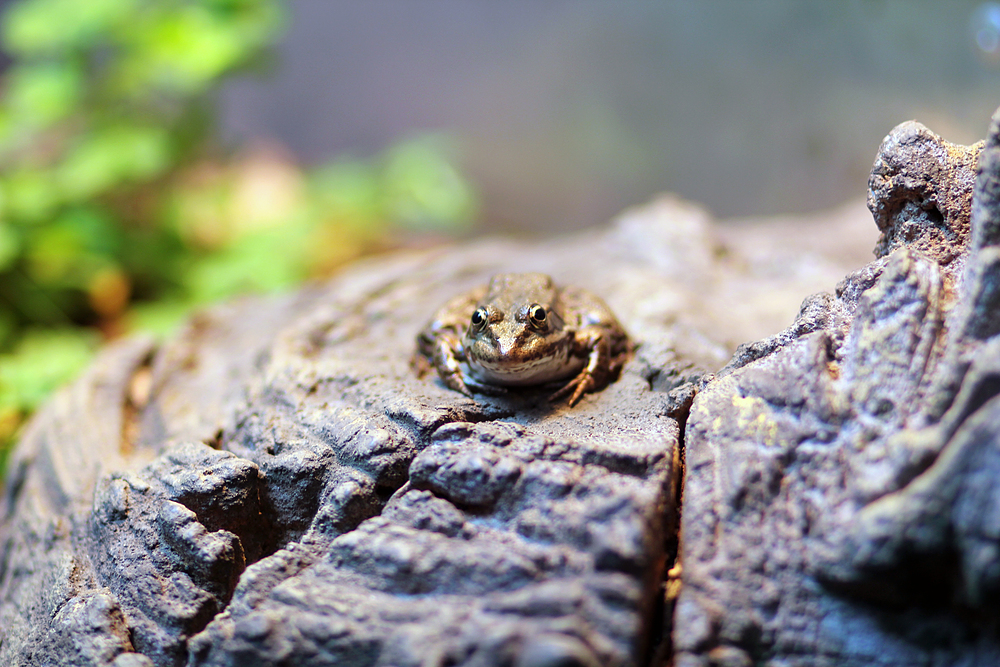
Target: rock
{"type": "Point", "coordinates": [923, 207]}
{"type": "Point", "coordinates": [839, 504]}
{"type": "Point", "coordinates": [276, 485]}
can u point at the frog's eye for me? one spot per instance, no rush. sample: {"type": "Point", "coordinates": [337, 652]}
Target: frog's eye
{"type": "Point", "coordinates": [537, 314]}
{"type": "Point", "coordinates": [479, 317]}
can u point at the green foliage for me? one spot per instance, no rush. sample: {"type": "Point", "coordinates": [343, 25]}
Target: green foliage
{"type": "Point", "coordinates": [42, 360]}
{"type": "Point", "coordinates": [422, 187]}
{"type": "Point", "coordinates": [117, 210]}
{"type": "Point", "coordinates": [39, 362]}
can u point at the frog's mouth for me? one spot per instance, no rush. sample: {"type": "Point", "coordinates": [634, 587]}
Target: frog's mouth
{"type": "Point", "coordinates": [510, 373]}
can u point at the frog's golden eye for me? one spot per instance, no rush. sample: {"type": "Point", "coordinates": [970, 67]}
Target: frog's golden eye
{"type": "Point", "coordinates": [537, 314]}
{"type": "Point", "coordinates": [479, 317]}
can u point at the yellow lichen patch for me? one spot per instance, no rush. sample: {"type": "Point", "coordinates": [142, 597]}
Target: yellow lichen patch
{"type": "Point", "coordinates": [748, 407]}
{"type": "Point", "coordinates": [753, 422]}
{"type": "Point", "coordinates": [766, 430]}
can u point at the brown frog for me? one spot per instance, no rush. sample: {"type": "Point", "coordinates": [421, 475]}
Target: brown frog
{"type": "Point", "coordinates": [522, 329]}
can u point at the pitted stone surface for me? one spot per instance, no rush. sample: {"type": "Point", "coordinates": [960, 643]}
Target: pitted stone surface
{"type": "Point", "coordinates": [495, 526]}
{"type": "Point", "coordinates": [836, 502]}
{"type": "Point", "coordinates": [502, 540]}
{"type": "Point", "coordinates": [275, 485]}
{"type": "Point", "coordinates": [919, 193]}
{"type": "Point", "coordinates": [168, 542]}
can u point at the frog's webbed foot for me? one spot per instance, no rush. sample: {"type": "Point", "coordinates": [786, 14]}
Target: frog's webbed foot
{"type": "Point", "coordinates": [593, 375]}
{"type": "Point", "coordinates": [456, 380]}
{"type": "Point", "coordinates": [447, 360]}
{"type": "Point", "coordinates": [579, 385]}
{"type": "Point", "coordinates": [447, 355]}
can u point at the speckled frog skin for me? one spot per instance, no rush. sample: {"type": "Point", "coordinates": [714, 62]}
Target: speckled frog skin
{"type": "Point", "coordinates": [522, 329]}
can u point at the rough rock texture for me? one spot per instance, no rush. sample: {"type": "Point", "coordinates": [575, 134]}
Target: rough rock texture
{"type": "Point", "coordinates": [276, 486]}
{"type": "Point", "coordinates": [924, 207]}
{"type": "Point", "coordinates": [840, 503]}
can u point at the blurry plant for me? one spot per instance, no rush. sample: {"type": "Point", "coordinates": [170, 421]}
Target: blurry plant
{"type": "Point", "coordinates": [260, 223]}
{"type": "Point", "coordinates": [116, 211]}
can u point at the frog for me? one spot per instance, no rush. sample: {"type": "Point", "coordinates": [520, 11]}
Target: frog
{"type": "Point", "coordinates": [519, 330]}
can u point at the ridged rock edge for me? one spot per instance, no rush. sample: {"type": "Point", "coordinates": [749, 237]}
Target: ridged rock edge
{"type": "Point", "coordinates": [838, 508]}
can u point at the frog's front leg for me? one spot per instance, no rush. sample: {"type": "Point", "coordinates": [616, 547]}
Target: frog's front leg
{"type": "Point", "coordinates": [447, 356]}
{"type": "Point", "coordinates": [594, 343]}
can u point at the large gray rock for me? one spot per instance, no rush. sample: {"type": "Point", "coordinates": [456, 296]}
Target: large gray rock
{"type": "Point", "coordinates": [275, 485]}
{"type": "Point", "coordinates": [840, 504]}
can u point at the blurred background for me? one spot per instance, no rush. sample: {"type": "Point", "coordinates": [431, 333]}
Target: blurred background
{"type": "Point", "coordinates": [569, 110]}
{"type": "Point", "coordinates": [158, 155]}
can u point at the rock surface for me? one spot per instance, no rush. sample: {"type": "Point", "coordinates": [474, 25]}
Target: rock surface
{"type": "Point", "coordinates": [840, 505]}
{"type": "Point", "coordinates": [276, 486]}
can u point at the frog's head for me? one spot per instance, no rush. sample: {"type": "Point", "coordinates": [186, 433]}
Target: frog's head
{"type": "Point", "coordinates": [516, 335]}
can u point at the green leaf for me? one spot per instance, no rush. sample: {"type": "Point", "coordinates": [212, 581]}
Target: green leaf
{"type": "Point", "coordinates": [40, 94]}
{"type": "Point", "coordinates": [53, 253]}
{"type": "Point", "coordinates": [10, 246]}
{"type": "Point", "coordinates": [8, 327]}
{"type": "Point", "coordinates": [114, 156]}
{"type": "Point", "coordinates": [348, 191]}
{"type": "Point", "coordinates": [44, 360]}
{"type": "Point", "coordinates": [67, 252]}
{"type": "Point", "coordinates": [91, 168]}
{"type": "Point", "coordinates": [265, 261]}
{"type": "Point", "coordinates": [144, 152]}
{"type": "Point", "coordinates": [33, 27]}
{"type": "Point", "coordinates": [423, 188]}
{"type": "Point", "coordinates": [184, 49]}
{"type": "Point", "coordinates": [31, 195]}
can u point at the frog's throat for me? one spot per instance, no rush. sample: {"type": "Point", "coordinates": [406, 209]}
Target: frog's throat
{"type": "Point", "coordinates": [510, 373]}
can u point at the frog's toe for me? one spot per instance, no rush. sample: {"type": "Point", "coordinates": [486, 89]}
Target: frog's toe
{"type": "Point", "coordinates": [566, 388]}
{"type": "Point", "coordinates": [585, 385]}
{"type": "Point", "coordinates": [489, 390]}
{"type": "Point", "coordinates": [579, 385]}
{"type": "Point", "coordinates": [455, 382]}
